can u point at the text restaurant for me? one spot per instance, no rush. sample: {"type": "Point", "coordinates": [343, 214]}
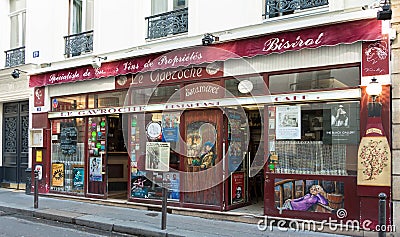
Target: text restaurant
{"type": "Point", "coordinates": [279, 121]}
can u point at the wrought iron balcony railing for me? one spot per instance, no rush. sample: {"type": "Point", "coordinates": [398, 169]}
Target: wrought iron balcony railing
{"type": "Point", "coordinates": [169, 23]}
{"type": "Point", "coordinates": [78, 44]}
{"type": "Point", "coordinates": [15, 57]}
{"type": "Point", "coordinates": [275, 8]}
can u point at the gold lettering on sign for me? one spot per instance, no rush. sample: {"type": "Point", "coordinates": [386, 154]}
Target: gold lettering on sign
{"type": "Point", "coordinates": [374, 130]}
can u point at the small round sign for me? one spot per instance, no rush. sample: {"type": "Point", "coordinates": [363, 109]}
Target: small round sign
{"type": "Point", "coordinates": [245, 86]}
{"type": "Point", "coordinates": [153, 130]}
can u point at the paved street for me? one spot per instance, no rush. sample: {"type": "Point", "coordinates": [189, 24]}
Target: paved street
{"type": "Point", "coordinates": [129, 220]}
{"type": "Point", "coordinates": [14, 225]}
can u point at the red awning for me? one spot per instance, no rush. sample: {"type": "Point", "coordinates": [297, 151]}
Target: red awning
{"type": "Point", "coordinates": [326, 35]}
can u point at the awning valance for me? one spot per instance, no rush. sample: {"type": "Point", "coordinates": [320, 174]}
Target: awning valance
{"type": "Point", "coordinates": [326, 35]}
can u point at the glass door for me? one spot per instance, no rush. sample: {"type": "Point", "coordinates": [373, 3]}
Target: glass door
{"type": "Point", "coordinates": [97, 162]}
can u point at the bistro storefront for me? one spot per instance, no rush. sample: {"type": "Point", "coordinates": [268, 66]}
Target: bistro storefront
{"type": "Point", "coordinates": [218, 131]}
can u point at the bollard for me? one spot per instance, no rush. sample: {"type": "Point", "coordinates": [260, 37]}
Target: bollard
{"type": "Point", "coordinates": [28, 184]}
{"type": "Point", "coordinates": [382, 214]}
{"type": "Point", "coordinates": [36, 194]}
{"type": "Point", "coordinates": [164, 209]}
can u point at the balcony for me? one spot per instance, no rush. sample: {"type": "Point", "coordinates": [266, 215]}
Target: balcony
{"type": "Point", "coordinates": [169, 23]}
{"type": "Point", "coordinates": [78, 44]}
{"type": "Point", "coordinates": [276, 8]}
{"type": "Point", "coordinates": [15, 57]}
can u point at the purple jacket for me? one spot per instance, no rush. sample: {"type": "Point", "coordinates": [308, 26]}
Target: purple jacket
{"type": "Point", "coordinates": [304, 203]}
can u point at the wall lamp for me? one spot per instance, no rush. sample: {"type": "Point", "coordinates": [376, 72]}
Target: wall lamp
{"type": "Point", "coordinates": [96, 61]}
{"type": "Point", "coordinates": [15, 74]}
{"type": "Point", "coordinates": [385, 13]}
{"type": "Point", "coordinates": [209, 39]}
{"type": "Point", "coordinates": [374, 89]}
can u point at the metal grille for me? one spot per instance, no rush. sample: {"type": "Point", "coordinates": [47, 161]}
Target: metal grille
{"type": "Point", "coordinates": [274, 8]}
{"type": "Point", "coordinates": [15, 57]}
{"type": "Point", "coordinates": [169, 23]}
{"type": "Point", "coordinates": [77, 44]}
{"type": "Point", "coordinates": [10, 128]}
{"type": "Point", "coordinates": [24, 133]}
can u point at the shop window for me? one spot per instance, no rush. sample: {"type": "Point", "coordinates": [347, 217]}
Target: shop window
{"type": "Point", "coordinates": [317, 139]}
{"type": "Point", "coordinates": [67, 155]}
{"type": "Point", "coordinates": [147, 149]}
{"type": "Point", "coordinates": [68, 103]}
{"type": "Point", "coordinates": [315, 80]}
{"type": "Point", "coordinates": [106, 100]}
{"type": "Point", "coordinates": [245, 86]}
{"type": "Point", "coordinates": [155, 95]}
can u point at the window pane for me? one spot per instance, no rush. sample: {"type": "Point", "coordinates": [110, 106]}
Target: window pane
{"type": "Point", "coordinates": [155, 95]}
{"type": "Point", "coordinates": [180, 4]}
{"type": "Point", "coordinates": [77, 16]}
{"type": "Point", "coordinates": [89, 14]}
{"type": "Point", "coordinates": [159, 6]}
{"type": "Point", "coordinates": [315, 138]}
{"type": "Point", "coordinates": [16, 5]}
{"type": "Point", "coordinates": [315, 80]}
{"type": "Point", "coordinates": [68, 103]}
{"type": "Point", "coordinates": [67, 154]}
{"type": "Point", "coordinates": [257, 83]}
{"type": "Point", "coordinates": [14, 32]}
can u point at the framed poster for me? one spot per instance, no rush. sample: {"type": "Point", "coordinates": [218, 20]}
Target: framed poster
{"type": "Point", "coordinates": [95, 169]}
{"type": "Point", "coordinates": [78, 174]}
{"type": "Point", "coordinates": [237, 187]}
{"type": "Point", "coordinates": [57, 174]}
{"type": "Point", "coordinates": [157, 156]}
{"type": "Point", "coordinates": [288, 122]}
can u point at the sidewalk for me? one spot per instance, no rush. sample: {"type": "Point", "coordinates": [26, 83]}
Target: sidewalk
{"type": "Point", "coordinates": [133, 221]}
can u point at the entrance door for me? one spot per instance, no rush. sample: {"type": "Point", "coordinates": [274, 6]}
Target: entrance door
{"type": "Point", "coordinates": [97, 162]}
{"type": "Point", "coordinates": [15, 141]}
{"type": "Point", "coordinates": [203, 157]}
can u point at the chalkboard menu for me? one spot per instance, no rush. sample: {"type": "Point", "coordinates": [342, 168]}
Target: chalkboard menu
{"type": "Point", "coordinates": [69, 136]}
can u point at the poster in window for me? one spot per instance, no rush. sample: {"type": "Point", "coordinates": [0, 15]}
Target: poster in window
{"type": "Point", "coordinates": [237, 190]}
{"type": "Point", "coordinates": [236, 140]}
{"type": "Point", "coordinates": [171, 182]}
{"type": "Point", "coordinates": [157, 156]}
{"type": "Point", "coordinates": [341, 123]}
{"type": "Point", "coordinates": [288, 122]}
{"type": "Point", "coordinates": [170, 127]}
{"type": "Point", "coordinates": [78, 174]}
{"type": "Point", "coordinates": [57, 174]}
{"type": "Point", "coordinates": [139, 184]}
{"type": "Point", "coordinates": [95, 169]}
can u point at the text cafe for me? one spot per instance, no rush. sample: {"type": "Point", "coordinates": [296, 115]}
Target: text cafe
{"type": "Point", "coordinates": [231, 132]}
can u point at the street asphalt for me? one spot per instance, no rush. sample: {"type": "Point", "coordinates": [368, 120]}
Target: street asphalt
{"type": "Point", "coordinates": [135, 220]}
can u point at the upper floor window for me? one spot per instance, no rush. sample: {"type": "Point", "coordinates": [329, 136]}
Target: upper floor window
{"type": "Point", "coordinates": [81, 15]}
{"type": "Point", "coordinates": [17, 21]}
{"type": "Point", "coordinates": [16, 54]}
{"type": "Point", "coordinates": [161, 6]}
{"type": "Point", "coordinates": [275, 8]}
{"type": "Point", "coordinates": [80, 39]}
{"type": "Point", "coordinates": [169, 17]}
